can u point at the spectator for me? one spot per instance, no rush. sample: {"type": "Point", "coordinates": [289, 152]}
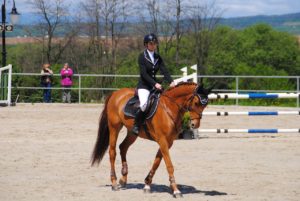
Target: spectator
{"type": "Point", "coordinates": [46, 82]}
{"type": "Point", "coordinates": [66, 82]}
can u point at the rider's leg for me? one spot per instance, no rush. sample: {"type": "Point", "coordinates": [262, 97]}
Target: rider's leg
{"type": "Point", "coordinates": [139, 118]}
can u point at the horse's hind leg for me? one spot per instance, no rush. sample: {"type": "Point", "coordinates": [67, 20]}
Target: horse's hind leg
{"type": "Point", "coordinates": [127, 142]}
{"type": "Point", "coordinates": [114, 132]}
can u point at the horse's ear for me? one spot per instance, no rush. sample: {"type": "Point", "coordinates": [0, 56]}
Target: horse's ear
{"type": "Point", "coordinates": [202, 90]}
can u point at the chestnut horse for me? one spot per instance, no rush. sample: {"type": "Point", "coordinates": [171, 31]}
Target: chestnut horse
{"type": "Point", "coordinates": [164, 127]}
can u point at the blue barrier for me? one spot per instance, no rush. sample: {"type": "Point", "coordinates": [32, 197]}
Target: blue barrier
{"type": "Point", "coordinates": [262, 130]}
{"type": "Point", "coordinates": [262, 113]}
{"type": "Point", "coordinates": [261, 95]}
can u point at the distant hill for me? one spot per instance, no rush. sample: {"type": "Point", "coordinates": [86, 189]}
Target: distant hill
{"type": "Point", "coordinates": [288, 22]}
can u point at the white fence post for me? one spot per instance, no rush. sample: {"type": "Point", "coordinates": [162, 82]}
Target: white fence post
{"type": "Point", "coordinates": [9, 85]}
{"type": "Point", "coordinates": [8, 99]}
{"type": "Point", "coordinates": [298, 90]}
{"type": "Point", "coordinates": [237, 90]}
{"type": "Point", "coordinates": [79, 89]}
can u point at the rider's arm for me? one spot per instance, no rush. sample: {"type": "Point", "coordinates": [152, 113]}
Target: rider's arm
{"type": "Point", "coordinates": [165, 71]}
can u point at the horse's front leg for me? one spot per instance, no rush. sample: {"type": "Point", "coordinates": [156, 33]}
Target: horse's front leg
{"type": "Point", "coordinates": [149, 177]}
{"type": "Point", "coordinates": [164, 148]}
{"type": "Point", "coordinates": [127, 142]}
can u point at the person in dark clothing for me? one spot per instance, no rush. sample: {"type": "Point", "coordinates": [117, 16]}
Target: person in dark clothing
{"type": "Point", "coordinates": [46, 82]}
{"type": "Point", "coordinates": [150, 63]}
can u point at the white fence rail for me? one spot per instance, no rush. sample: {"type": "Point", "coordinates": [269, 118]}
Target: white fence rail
{"type": "Point", "coordinates": [80, 88]}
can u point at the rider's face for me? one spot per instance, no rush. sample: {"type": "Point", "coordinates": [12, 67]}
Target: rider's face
{"type": "Point", "coordinates": [151, 46]}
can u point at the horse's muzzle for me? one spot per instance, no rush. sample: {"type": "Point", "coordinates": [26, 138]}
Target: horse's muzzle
{"type": "Point", "coordinates": [194, 124]}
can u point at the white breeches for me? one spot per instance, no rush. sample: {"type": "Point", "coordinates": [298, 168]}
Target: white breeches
{"type": "Point", "coordinates": [143, 97]}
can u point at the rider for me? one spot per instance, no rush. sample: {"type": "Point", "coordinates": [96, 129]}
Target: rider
{"type": "Point", "coordinates": [149, 62]}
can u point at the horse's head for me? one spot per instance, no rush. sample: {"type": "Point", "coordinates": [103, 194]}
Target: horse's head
{"type": "Point", "coordinates": [193, 98]}
{"type": "Point", "coordinates": [197, 104]}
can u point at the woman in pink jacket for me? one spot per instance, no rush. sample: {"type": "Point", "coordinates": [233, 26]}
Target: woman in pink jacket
{"type": "Point", "coordinates": [66, 82]}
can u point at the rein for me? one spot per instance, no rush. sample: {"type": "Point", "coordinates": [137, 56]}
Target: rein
{"type": "Point", "coordinates": [173, 101]}
{"type": "Point", "coordinates": [170, 115]}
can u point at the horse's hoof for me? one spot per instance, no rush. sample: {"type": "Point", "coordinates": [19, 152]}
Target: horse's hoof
{"type": "Point", "coordinates": [177, 195]}
{"type": "Point", "coordinates": [122, 183]}
{"type": "Point", "coordinates": [147, 189]}
{"type": "Point", "coordinates": [115, 188]}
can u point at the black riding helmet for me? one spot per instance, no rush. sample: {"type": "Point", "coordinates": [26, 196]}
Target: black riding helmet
{"type": "Point", "coordinates": [150, 38]}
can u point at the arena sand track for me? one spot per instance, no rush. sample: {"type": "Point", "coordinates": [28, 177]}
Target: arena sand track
{"type": "Point", "coordinates": [45, 151]}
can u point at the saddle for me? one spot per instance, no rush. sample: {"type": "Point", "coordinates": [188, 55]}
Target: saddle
{"type": "Point", "coordinates": [133, 105]}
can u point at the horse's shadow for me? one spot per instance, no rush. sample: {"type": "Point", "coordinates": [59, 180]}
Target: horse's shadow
{"type": "Point", "coordinates": [185, 189]}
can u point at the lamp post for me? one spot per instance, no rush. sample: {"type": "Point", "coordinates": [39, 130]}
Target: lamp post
{"type": "Point", "coordinates": [14, 17]}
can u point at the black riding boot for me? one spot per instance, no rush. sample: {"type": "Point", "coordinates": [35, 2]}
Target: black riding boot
{"type": "Point", "coordinates": [138, 120]}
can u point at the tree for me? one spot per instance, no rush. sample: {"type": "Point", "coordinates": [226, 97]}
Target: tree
{"type": "Point", "coordinates": [223, 52]}
{"type": "Point", "coordinates": [53, 17]}
{"type": "Point", "coordinates": [95, 51]}
{"type": "Point", "coordinates": [263, 46]}
{"type": "Point", "coordinates": [170, 26]}
{"type": "Point", "coordinates": [149, 16]}
{"type": "Point", "coordinates": [203, 19]}
{"type": "Point", "coordinates": [107, 18]}
{"type": "Point", "coordinates": [178, 29]}
{"type": "Point", "coordinates": [119, 19]}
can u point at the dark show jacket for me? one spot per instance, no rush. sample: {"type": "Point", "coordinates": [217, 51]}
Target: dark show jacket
{"type": "Point", "coordinates": [148, 70]}
{"type": "Point", "coordinates": [45, 77]}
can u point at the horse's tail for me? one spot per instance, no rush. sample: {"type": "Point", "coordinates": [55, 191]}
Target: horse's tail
{"type": "Point", "coordinates": [103, 137]}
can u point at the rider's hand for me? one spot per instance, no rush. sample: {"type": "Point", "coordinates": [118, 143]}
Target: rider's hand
{"type": "Point", "coordinates": [172, 84]}
{"type": "Point", "coordinates": [158, 86]}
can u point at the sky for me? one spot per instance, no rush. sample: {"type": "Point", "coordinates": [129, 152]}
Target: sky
{"type": "Point", "coordinates": [231, 8]}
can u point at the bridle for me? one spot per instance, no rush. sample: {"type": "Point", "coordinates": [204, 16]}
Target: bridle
{"type": "Point", "coordinates": [184, 108]}
{"type": "Point", "coordinates": [188, 108]}
{"type": "Point", "coordinates": [202, 101]}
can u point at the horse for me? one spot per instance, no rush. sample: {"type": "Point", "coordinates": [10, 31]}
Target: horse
{"type": "Point", "coordinates": [164, 127]}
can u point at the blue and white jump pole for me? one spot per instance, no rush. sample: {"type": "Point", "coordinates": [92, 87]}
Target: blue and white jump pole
{"type": "Point", "coordinates": [193, 77]}
{"type": "Point", "coordinates": [253, 95]}
{"type": "Point", "coordinates": [296, 130]}
{"type": "Point", "coordinates": [252, 113]}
